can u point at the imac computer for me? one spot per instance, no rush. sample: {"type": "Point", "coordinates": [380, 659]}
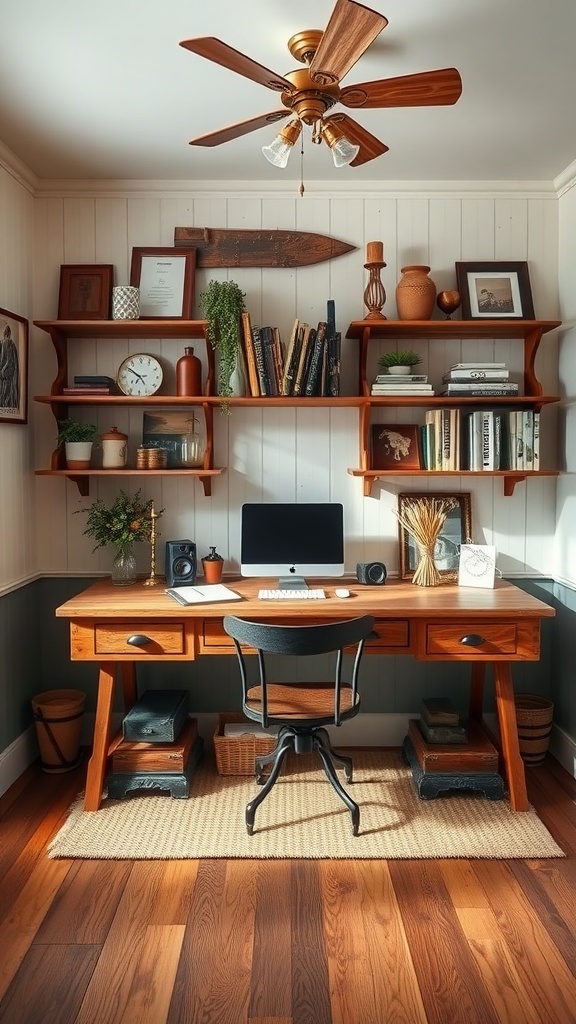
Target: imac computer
{"type": "Point", "coordinates": [292, 540]}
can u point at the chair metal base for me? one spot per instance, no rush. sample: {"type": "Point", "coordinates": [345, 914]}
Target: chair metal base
{"type": "Point", "coordinates": [302, 741]}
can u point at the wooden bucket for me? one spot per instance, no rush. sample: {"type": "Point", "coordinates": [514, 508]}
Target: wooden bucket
{"type": "Point", "coordinates": [58, 718]}
{"type": "Point", "coordinates": [534, 718]}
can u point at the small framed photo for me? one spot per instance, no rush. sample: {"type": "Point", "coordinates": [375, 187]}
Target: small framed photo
{"type": "Point", "coordinates": [456, 531]}
{"type": "Point", "coordinates": [165, 279]}
{"type": "Point", "coordinates": [13, 368]}
{"type": "Point", "coordinates": [396, 446]}
{"type": "Point", "coordinates": [85, 291]}
{"type": "Point", "coordinates": [495, 291]}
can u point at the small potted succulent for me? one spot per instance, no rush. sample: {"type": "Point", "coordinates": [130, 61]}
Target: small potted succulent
{"type": "Point", "coordinates": [78, 439]}
{"type": "Point", "coordinates": [399, 362]}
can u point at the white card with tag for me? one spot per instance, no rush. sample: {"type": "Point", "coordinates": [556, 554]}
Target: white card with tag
{"type": "Point", "coordinates": [477, 565]}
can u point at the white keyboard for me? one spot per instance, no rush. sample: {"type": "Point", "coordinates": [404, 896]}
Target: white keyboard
{"type": "Point", "coordinates": [290, 595]}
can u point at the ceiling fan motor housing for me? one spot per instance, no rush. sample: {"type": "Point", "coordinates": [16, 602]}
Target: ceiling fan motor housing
{"type": "Point", "coordinates": [307, 100]}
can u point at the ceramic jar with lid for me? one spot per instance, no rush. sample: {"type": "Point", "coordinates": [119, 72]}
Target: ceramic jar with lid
{"type": "Point", "coordinates": [114, 449]}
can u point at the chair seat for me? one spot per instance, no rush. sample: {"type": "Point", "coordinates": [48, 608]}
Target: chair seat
{"type": "Point", "coordinates": [310, 701]}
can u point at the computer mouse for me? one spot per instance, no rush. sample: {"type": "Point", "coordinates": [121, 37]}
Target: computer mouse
{"type": "Point", "coordinates": [342, 592]}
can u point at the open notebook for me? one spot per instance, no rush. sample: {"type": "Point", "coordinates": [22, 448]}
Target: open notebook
{"type": "Point", "coordinates": [204, 594]}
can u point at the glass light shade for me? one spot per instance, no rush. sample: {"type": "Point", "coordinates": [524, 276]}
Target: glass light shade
{"type": "Point", "coordinates": [279, 150]}
{"type": "Point", "coordinates": [343, 152]}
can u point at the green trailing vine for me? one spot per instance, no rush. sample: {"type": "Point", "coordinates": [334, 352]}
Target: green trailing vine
{"type": "Point", "coordinates": [222, 304]}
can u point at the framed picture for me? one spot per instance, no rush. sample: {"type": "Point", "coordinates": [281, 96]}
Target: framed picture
{"type": "Point", "coordinates": [85, 291]}
{"type": "Point", "coordinates": [169, 429]}
{"type": "Point", "coordinates": [13, 368]}
{"type": "Point", "coordinates": [395, 446]}
{"type": "Point", "coordinates": [492, 290]}
{"type": "Point", "coordinates": [456, 531]}
{"type": "Point", "coordinates": [165, 278]}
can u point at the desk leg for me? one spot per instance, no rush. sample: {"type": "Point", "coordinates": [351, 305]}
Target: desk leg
{"type": "Point", "coordinates": [97, 763]}
{"type": "Point", "coordinates": [516, 777]}
{"type": "Point", "coordinates": [129, 685]}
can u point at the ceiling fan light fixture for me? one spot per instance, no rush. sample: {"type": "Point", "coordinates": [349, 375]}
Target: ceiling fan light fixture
{"type": "Point", "coordinates": [278, 152]}
{"type": "Point", "coordinates": [343, 151]}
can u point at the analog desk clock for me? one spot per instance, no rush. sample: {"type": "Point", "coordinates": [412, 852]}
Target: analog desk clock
{"type": "Point", "coordinates": [139, 375]}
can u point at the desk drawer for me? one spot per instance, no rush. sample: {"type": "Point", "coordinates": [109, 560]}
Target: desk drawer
{"type": "Point", "coordinates": [390, 633]}
{"type": "Point", "coordinates": [163, 637]}
{"type": "Point", "coordinates": [486, 640]}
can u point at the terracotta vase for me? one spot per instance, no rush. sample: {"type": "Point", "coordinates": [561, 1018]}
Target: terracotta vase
{"type": "Point", "coordinates": [415, 294]}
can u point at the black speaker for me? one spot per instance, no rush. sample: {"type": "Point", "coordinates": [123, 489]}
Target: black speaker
{"type": "Point", "coordinates": [180, 567]}
{"type": "Point", "coordinates": [373, 573]}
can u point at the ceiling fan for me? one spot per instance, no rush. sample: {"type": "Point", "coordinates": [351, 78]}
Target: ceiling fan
{"type": "Point", "coordinates": [308, 94]}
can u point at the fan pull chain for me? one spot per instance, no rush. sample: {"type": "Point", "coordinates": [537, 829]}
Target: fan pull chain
{"type": "Point", "coordinates": [301, 189]}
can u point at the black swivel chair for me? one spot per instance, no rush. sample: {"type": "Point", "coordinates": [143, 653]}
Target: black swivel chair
{"type": "Point", "coordinates": [302, 710]}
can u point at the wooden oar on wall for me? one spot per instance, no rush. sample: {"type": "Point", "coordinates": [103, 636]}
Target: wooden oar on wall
{"type": "Point", "coordinates": [224, 247]}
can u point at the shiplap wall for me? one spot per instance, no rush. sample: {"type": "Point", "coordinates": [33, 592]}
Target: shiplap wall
{"type": "Point", "coordinates": [565, 541]}
{"type": "Point", "coordinates": [293, 454]}
{"type": "Point", "coordinates": [17, 495]}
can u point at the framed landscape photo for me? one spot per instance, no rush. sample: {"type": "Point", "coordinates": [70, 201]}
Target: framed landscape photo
{"type": "Point", "coordinates": [85, 291]}
{"type": "Point", "coordinates": [396, 446]}
{"type": "Point", "coordinates": [165, 279]}
{"type": "Point", "coordinates": [495, 291]}
{"type": "Point", "coordinates": [456, 531]}
{"type": "Point", "coordinates": [13, 368]}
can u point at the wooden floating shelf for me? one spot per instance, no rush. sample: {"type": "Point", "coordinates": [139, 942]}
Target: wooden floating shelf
{"type": "Point", "coordinates": [511, 477]}
{"type": "Point", "coordinates": [81, 477]}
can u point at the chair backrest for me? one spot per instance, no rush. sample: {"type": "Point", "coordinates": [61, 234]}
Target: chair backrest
{"type": "Point", "coordinates": [326, 638]}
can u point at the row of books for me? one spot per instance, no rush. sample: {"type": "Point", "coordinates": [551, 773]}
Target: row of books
{"type": "Point", "coordinates": [309, 366]}
{"type": "Point", "coordinates": [485, 439]}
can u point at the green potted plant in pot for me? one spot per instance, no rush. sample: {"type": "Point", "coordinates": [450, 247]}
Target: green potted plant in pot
{"type": "Point", "coordinates": [78, 440]}
{"type": "Point", "coordinates": [223, 304]}
{"type": "Point", "coordinates": [399, 362]}
{"type": "Point", "coordinates": [123, 523]}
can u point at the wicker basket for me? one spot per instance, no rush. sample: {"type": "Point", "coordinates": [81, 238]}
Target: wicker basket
{"type": "Point", "coordinates": [235, 755]}
{"type": "Point", "coordinates": [534, 720]}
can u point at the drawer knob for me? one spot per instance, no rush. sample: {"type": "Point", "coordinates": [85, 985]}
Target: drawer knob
{"type": "Point", "coordinates": [139, 640]}
{"type": "Point", "coordinates": [472, 640]}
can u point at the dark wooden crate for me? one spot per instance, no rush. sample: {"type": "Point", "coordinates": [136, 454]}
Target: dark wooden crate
{"type": "Point", "coordinates": [157, 717]}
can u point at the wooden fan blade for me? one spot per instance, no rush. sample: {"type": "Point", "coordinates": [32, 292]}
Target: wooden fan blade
{"type": "Point", "coordinates": [370, 146]}
{"type": "Point", "coordinates": [429, 88]}
{"type": "Point", "coordinates": [234, 131]}
{"type": "Point", "coordinates": [349, 32]}
{"type": "Point", "coordinates": [220, 53]}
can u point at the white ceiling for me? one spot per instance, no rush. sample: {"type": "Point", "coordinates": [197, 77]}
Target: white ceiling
{"type": "Point", "coordinates": [103, 90]}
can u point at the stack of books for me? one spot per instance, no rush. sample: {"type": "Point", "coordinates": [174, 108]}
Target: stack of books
{"type": "Point", "coordinates": [478, 380]}
{"type": "Point", "coordinates": [506, 439]}
{"type": "Point", "coordinates": [309, 366]}
{"type": "Point", "coordinates": [87, 385]}
{"type": "Point", "coordinates": [440, 722]}
{"type": "Point", "coordinates": [391, 385]}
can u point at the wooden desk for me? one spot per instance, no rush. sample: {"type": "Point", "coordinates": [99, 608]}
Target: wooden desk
{"type": "Point", "coordinates": [121, 626]}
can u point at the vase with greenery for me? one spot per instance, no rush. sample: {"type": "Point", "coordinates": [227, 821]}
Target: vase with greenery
{"type": "Point", "coordinates": [78, 440]}
{"type": "Point", "coordinates": [223, 304]}
{"type": "Point", "coordinates": [123, 523]}
{"type": "Point", "coordinates": [399, 362]}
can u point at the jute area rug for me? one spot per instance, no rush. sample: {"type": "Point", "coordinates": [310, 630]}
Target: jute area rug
{"type": "Point", "coordinates": [302, 817]}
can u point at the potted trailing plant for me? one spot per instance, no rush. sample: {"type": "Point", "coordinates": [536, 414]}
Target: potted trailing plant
{"type": "Point", "coordinates": [78, 439]}
{"type": "Point", "coordinates": [222, 304]}
{"type": "Point", "coordinates": [399, 362]}
{"type": "Point", "coordinates": [123, 523]}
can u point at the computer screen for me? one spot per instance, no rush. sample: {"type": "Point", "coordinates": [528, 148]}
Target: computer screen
{"type": "Point", "coordinates": [292, 540]}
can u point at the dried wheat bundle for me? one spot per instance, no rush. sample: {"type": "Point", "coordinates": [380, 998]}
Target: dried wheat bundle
{"type": "Point", "coordinates": [424, 518]}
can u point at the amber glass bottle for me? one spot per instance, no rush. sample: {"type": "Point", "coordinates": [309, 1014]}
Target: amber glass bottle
{"type": "Point", "coordinates": [189, 374]}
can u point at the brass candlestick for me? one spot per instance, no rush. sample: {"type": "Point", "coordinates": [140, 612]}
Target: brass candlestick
{"type": "Point", "coordinates": [374, 294]}
{"type": "Point", "coordinates": [152, 580]}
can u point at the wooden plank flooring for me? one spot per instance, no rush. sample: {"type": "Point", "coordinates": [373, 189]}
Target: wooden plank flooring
{"type": "Point", "coordinates": [283, 942]}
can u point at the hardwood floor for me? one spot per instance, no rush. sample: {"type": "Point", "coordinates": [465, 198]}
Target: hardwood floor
{"type": "Point", "coordinates": [283, 942]}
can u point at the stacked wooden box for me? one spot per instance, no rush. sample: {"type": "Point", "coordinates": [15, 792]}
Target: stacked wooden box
{"type": "Point", "coordinates": [159, 746]}
{"type": "Point", "coordinates": [446, 753]}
